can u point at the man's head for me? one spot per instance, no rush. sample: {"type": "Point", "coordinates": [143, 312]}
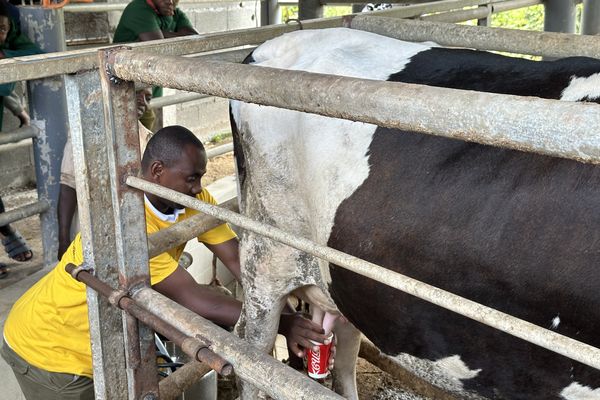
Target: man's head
{"type": "Point", "coordinates": [165, 7]}
{"type": "Point", "coordinates": [142, 99]}
{"type": "Point", "coordinates": [176, 159]}
{"type": "Point", "coordinates": [4, 23]}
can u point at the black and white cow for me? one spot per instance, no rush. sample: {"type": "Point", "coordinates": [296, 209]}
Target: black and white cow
{"type": "Point", "coordinates": [515, 231]}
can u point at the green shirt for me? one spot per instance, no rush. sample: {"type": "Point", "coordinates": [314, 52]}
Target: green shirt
{"type": "Point", "coordinates": [139, 17]}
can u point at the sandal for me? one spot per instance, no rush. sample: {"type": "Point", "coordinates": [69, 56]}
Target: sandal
{"type": "Point", "coordinates": [15, 245]}
{"type": "Point", "coordinates": [3, 271]}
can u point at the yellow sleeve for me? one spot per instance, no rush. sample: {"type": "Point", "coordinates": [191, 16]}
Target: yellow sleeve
{"type": "Point", "coordinates": [221, 233]}
{"type": "Point", "coordinates": [163, 264]}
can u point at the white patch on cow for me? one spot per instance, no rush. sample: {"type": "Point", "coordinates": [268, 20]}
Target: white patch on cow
{"type": "Point", "coordinates": [581, 88]}
{"type": "Point", "coordinates": [447, 373]}
{"type": "Point", "coordinates": [575, 391]}
{"type": "Point", "coordinates": [454, 367]}
{"type": "Point", "coordinates": [555, 322]}
{"type": "Point", "coordinates": [300, 162]}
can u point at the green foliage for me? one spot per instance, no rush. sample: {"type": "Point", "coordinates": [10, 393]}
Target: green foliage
{"type": "Point", "coordinates": [291, 12]}
{"type": "Point", "coordinates": [530, 18]}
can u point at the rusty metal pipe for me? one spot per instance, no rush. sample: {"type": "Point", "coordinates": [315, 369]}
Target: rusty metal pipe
{"type": "Point", "coordinates": [532, 333]}
{"type": "Point", "coordinates": [194, 347]}
{"type": "Point", "coordinates": [26, 132]}
{"type": "Point", "coordinates": [550, 127]}
{"type": "Point", "coordinates": [172, 386]}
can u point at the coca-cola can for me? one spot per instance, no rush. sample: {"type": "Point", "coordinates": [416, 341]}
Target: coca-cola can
{"type": "Point", "coordinates": [317, 361]}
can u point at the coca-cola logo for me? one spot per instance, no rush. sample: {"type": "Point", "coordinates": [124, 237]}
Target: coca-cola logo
{"type": "Point", "coordinates": [315, 361]}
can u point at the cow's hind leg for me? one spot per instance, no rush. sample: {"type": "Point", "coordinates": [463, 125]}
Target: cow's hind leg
{"type": "Point", "coordinates": [344, 371]}
{"type": "Point", "coordinates": [258, 326]}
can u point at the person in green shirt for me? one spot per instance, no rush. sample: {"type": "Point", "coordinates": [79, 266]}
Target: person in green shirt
{"type": "Point", "coordinates": [12, 44]}
{"type": "Point", "coordinates": [144, 20]}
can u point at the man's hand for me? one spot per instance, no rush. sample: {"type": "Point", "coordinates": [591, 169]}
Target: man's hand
{"type": "Point", "coordinates": [299, 331]}
{"type": "Point", "coordinates": [24, 118]}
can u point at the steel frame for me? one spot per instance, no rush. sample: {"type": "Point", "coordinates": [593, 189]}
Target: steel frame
{"type": "Point", "coordinates": [112, 212]}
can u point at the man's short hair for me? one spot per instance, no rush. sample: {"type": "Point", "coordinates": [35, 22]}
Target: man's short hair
{"type": "Point", "coordinates": [167, 144]}
{"type": "Point", "coordinates": [4, 12]}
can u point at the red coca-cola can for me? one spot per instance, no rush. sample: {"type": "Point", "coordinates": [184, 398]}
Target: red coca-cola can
{"type": "Point", "coordinates": [317, 361]}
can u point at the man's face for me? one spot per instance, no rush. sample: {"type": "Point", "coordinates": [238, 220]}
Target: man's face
{"type": "Point", "coordinates": [165, 7]}
{"type": "Point", "coordinates": [142, 98]}
{"type": "Point", "coordinates": [4, 28]}
{"type": "Point", "coordinates": [185, 175]}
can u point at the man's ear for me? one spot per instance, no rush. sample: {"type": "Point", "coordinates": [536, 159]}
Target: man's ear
{"type": "Point", "coordinates": [157, 168]}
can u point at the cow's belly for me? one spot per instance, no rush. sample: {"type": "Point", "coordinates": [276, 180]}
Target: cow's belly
{"type": "Point", "coordinates": [513, 231]}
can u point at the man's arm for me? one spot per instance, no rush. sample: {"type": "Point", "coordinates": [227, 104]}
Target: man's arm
{"type": "Point", "coordinates": [181, 287]}
{"type": "Point", "coordinates": [224, 310]}
{"type": "Point", "coordinates": [67, 203]}
{"type": "Point", "coordinates": [229, 254]}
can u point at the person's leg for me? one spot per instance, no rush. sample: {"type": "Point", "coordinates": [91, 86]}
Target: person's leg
{"type": "Point", "coordinates": [14, 244]}
{"type": "Point", "coordinates": [38, 384]}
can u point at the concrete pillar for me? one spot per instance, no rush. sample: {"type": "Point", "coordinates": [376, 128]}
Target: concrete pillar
{"type": "Point", "coordinates": [310, 9]}
{"type": "Point", "coordinates": [270, 13]}
{"type": "Point", "coordinates": [48, 109]}
{"type": "Point", "coordinates": [560, 16]}
{"type": "Point", "coordinates": [590, 21]}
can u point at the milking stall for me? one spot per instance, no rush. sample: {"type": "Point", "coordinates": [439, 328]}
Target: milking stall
{"type": "Point", "coordinates": [92, 94]}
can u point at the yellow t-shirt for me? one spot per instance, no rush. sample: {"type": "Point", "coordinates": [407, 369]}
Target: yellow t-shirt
{"type": "Point", "coordinates": [49, 326]}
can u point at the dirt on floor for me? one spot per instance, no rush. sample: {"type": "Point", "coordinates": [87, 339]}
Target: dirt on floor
{"type": "Point", "coordinates": [373, 384]}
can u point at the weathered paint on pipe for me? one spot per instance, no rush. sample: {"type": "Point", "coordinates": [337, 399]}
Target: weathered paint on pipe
{"type": "Point", "coordinates": [103, 7]}
{"type": "Point", "coordinates": [23, 212]}
{"type": "Point", "coordinates": [250, 364]}
{"type": "Point", "coordinates": [543, 126]}
{"type": "Point", "coordinates": [26, 132]}
{"type": "Point", "coordinates": [537, 335]}
{"type": "Point", "coordinates": [547, 44]}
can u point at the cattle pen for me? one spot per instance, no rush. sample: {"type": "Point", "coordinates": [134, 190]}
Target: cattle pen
{"type": "Point", "coordinates": [99, 88]}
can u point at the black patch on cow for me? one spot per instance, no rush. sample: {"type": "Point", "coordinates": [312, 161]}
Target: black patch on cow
{"type": "Point", "coordinates": [488, 72]}
{"type": "Point", "coordinates": [516, 231]}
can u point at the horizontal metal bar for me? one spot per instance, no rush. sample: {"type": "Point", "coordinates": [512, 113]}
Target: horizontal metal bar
{"type": "Point", "coordinates": [542, 337]}
{"type": "Point", "coordinates": [219, 150]}
{"type": "Point", "coordinates": [25, 132]}
{"type": "Point", "coordinates": [550, 127]}
{"type": "Point", "coordinates": [547, 44]}
{"type": "Point", "coordinates": [250, 364]}
{"type": "Point", "coordinates": [176, 383]}
{"type": "Point", "coordinates": [195, 348]}
{"type": "Point", "coordinates": [20, 213]}
{"type": "Point", "coordinates": [103, 7]}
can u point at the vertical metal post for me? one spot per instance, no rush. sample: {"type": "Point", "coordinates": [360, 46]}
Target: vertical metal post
{"type": "Point", "coordinates": [270, 13]}
{"type": "Point", "coordinates": [310, 9]}
{"type": "Point", "coordinates": [590, 21]}
{"type": "Point", "coordinates": [122, 141]}
{"type": "Point", "coordinates": [487, 21]}
{"type": "Point", "coordinates": [560, 16]}
{"type": "Point", "coordinates": [96, 220]}
{"type": "Point", "coordinates": [48, 108]}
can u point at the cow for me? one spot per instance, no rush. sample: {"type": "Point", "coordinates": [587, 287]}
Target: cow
{"type": "Point", "coordinates": [515, 231]}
